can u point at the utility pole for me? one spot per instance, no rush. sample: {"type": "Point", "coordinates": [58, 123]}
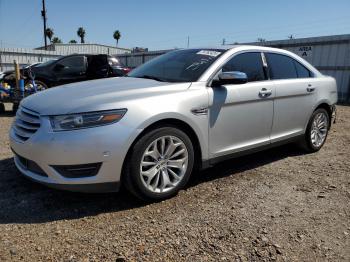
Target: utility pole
{"type": "Point", "coordinates": [188, 42]}
{"type": "Point", "coordinates": [43, 14]}
{"type": "Point", "coordinates": [223, 41]}
{"type": "Point", "coordinates": [0, 55]}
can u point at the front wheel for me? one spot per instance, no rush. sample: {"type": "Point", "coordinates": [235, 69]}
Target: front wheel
{"type": "Point", "coordinates": [40, 85]}
{"type": "Point", "coordinates": [316, 131]}
{"type": "Point", "coordinates": [159, 164]}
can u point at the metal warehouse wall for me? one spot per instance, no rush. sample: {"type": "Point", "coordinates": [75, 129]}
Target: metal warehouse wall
{"type": "Point", "coordinates": [26, 56]}
{"type": "Point", "coordinates": [329, 54]}
{"type": "Point", "coordinates": [136, 59]}
{"type": "Point", "coordinates": [86, 49]}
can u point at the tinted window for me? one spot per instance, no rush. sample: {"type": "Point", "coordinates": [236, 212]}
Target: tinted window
{"type": "Point", "coordinates": [47, 63]}
{"type": "Point", "coordinates": [281, 66]}
{"type": "Point", "coordinates": [178, 66]}
{"type": "Point", "coordinates": [249, 63]}
{"type": "Point", "coordinates": [73, 62]}
{"type": "Point", "coordinates": [302, 71]}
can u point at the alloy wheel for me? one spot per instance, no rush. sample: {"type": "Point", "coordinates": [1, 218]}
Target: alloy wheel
{"type": "Point", "coordinates": [164, 164]}
{"type": "Point", "coordinates": [319, 129]}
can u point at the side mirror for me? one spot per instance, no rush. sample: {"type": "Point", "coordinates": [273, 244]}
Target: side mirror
{"type": "Point", "coordinates": [231, 78]}
{"type": "Point", "coordinates": [59, 67]}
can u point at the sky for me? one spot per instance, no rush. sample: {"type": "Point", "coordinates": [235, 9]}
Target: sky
{"type": "Point", "coordinates": [164, 24]}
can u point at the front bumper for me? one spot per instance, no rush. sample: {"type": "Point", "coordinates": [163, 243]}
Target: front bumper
{"type": "Point", "coordinates": [106, 145]}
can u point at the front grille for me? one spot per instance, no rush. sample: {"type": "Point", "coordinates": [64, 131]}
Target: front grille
{"type": "Point", "coordinates": [26, 124]}
{"type": "Point", "coordinates": [30, 165]}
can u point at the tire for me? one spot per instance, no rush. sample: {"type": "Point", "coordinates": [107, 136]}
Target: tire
{"type": "Point", "coordinates": [15, 107]}
{"type": "Point", "coordinates": [2, 108]}
{"type": "Point", "coordinates": [159, 178]}
{"type": "Point", "coordinates": [316, 132]}
{"type": "Point", "coordinates": [41, 85]}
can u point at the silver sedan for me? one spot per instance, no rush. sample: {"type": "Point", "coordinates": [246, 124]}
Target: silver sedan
{"type": "Point", "coordinates": [185, 110]}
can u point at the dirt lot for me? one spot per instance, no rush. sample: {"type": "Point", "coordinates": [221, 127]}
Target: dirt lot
{"type": "Point", "coordinates": [275, 205]}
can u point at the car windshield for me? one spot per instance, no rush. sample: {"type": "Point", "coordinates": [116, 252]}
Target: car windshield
{"type": "Point", "coordinates": [178, 66]}
{"type": "Point", "coordinates": [113, 61]}
{"type": "Point", "coordinates": [47, 63]}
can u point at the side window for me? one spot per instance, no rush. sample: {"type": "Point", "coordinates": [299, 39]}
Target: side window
{"type": "Point", "coordinates": [281, 66]}
{"type": "Point", "coordinates": [249, 63]}
{"type": "Point", "coordinates": [302, 71]}
{"type": "Point", "coordinates": [74, 63]}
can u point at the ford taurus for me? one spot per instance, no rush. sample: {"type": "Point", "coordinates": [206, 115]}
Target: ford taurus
{"type": "Point", "coordinates": [181, 111]}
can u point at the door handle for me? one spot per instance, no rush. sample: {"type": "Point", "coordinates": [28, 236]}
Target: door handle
{"type": "Point", "coordinates": [310, 89]}
{"type": "Point", "coordinates": [265, 93]}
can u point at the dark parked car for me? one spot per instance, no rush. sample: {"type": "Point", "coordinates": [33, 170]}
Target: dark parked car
{"type": "Point", "coordinates": [68, 69]}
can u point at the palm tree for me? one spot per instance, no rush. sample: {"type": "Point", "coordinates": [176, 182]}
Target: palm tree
{"type": "Point", "coordinates": [81, 34]}
{"type": "Point", "coordinates": [49, 33]}
{"type": "Point", "coordinates": [56, 40]}
{"type": "Point", "coordinates": [72, 41]}
{"type": "Point", "coordinates": [117, 36]}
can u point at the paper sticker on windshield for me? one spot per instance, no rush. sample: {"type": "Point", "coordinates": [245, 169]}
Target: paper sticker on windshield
{"type": "Point", "coordinates": [209, 53]}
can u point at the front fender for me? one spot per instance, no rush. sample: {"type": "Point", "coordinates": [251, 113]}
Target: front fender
{"type": "Point", "coordinates": [199, 129]}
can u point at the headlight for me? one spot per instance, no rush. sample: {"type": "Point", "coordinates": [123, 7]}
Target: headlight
{"type": "Point", "coordinates": [86, 120]}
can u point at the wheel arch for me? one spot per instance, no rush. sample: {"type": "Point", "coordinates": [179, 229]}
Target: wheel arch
{"type": "Point", "coordinates": [171, 122]}
{"type": "Point", "coordinates": [326, 106]}
{"type": "Point", "coordinates": [45, 81]}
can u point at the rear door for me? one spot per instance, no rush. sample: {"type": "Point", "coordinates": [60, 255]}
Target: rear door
{"type": "Point", "coordinates": [295, 95]}
{"type": "Point", "coordinates": [241, 115]}
{"type": "Point", "coordinates": [70, 69]}
{"type": "Point", "coordinates": [98, 67]}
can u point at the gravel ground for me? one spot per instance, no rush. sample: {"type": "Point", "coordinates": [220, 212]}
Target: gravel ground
{"type": "Point", "coordinates": [275, 205]}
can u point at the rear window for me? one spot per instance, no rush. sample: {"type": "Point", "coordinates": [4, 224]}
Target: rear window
{"type": "Point", "coordinates": [281, 67]}
{"type": "Point", "coordinates": [285, 67]}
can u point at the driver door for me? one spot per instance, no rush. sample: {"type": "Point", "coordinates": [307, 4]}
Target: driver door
{"type": "Point", "coordinates": [70, 69]}
{"type": "Point", "coordinates": [241, 115]}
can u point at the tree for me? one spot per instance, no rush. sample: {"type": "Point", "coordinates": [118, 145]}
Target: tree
{"type": "Point", "coordinates": [81, 33]}
{"type": "Point", "coordinates": [56, 40]}
{"type": "Point", "coordinates": [72, 41]}
{"type": "Point", "coordinates": [117, 36]}
{"type": "Point", "coordinates": [261, 40]}
{"type": "Point", "coordinates": [49, 33]}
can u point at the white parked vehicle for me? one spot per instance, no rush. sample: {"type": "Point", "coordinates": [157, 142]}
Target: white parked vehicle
{"type": "Point", "coordinates": [183, 110]}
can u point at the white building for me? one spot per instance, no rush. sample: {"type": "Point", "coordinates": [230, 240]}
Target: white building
{"type": "Point", "coordinates": [85, 49]}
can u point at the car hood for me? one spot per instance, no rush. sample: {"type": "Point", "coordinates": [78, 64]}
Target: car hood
{"type": "Point", "coordinates": [94, 95]}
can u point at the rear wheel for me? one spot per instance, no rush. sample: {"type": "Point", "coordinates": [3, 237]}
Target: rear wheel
{"type": "Point", "coordinates": [2, 108]}
{"type": "Point", "coordinates": [317, 131]}
{"type": "Point", "coordinates": [159, 164]}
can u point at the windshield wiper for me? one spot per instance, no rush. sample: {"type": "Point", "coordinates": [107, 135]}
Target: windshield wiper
{"type": "Point", "coordinates": [152, 77]}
